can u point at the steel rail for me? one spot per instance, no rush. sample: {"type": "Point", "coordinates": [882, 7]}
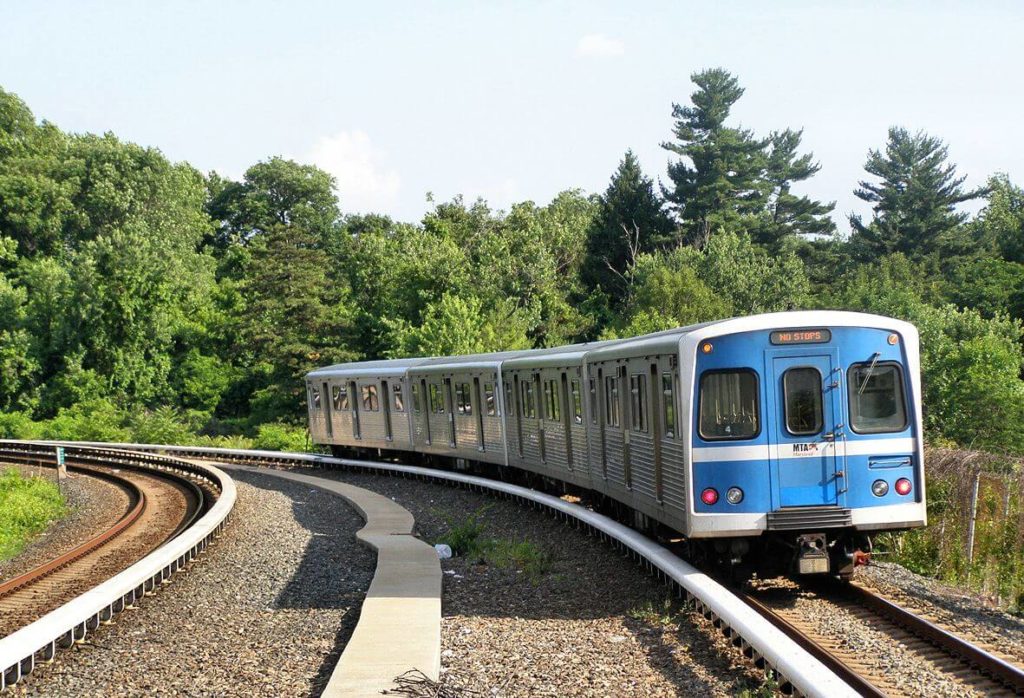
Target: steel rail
{"type": "Point", "coordinates": [39, 641]}
{"type": "Point", "coordinates": [138, 500]}
{"type": "Point", "coordinates": [985, 662]}
{"type": "Point", "coordinates": [758, 639]}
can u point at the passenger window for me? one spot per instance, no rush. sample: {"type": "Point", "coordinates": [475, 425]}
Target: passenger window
{"type": "Point", "coordinates": [490, 407]}
{"type": "Point", "coordinates": [577, 403]}
{"type": "Point", "coordinates": [729, 405]}
{"type": "Point", "coordinates": [370, 400]}
{"type": "Point", "coordinates": [315, 395]}
{"type": "Point", "coordinates": [416, 405]}
{"type": "Point", "coordinates": [668, 404]}
{"type": "Point", "coordinates": [510, 399]}
{"type": "Point", "coordinates": [463, 399]}
{"type": "Point", "coordinates": [397, 400]}
{"type": "Point", "coordinates": [801, 388]}
{"type": "Point", "coordinates": [436, 401]}
{"type": "Point", "coordinates": [638, 401]}
{"type": "Point", "coordinates": [593, 401]}
{"type": "Point", "coordinates": [529, 403]}
{"type": "Point", "coordinates": [877, 403]}
{"type": "Point", "coordinates": [340, 396]}
{"type": "Point", "coordinates": [611, 400]}
{"type": "Point", "coordinates": [551, 401]}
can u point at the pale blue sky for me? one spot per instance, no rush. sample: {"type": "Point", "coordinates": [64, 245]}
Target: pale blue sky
{"type": "Point", "coordinates": [514, 101]}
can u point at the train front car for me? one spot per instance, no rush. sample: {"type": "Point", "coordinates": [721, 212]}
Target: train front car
{"type": "Point", "coordinates": [805, 438]}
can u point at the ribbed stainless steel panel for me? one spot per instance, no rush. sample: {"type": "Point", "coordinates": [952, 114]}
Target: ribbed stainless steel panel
{"type": "Point", "coordinates": [580, 450]}
{"type": "Point", "coordinates": [641, 463]}
{"type": "Point", "coordinates": [554, 448]}
{"type": "Point", "coordinates": [796, 518]}
{"type": "Point", "coordinates": [613, 449]}
{"type": "Point", "coordinates": [673, 475]}
{"type": "Point", "coordinates": [531, 446]}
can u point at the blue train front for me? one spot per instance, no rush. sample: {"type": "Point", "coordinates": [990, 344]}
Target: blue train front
{"type": "Point", "coordinates": [803, 440]}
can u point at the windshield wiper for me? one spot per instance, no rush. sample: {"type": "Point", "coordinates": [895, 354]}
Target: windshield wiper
{"type": "Point", "coordinates": [871, 369]}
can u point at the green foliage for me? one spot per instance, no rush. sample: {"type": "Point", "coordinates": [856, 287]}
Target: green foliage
{"type": "Point", "coordinates": [463, 535]}
{"type": "Point", "coordinates": [95, 419]}
{"type": "Point", "coordinates": [27, 506]}
{"type": "Point", "coordinates": [281, 437]}
{"type": "Point", "coordinates": [915, 201]}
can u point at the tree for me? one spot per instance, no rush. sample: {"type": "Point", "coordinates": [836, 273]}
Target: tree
{"type": "Point", "coordinates": [788, 214]}
{"type": "Point", "coordinates": [718, 184]}
{"type": "Point", "coordinates": [999, 227]}
{"type": "Point", "coordinates": [629, 209]}
{"type": "Point", "coordinates": [915, 202]}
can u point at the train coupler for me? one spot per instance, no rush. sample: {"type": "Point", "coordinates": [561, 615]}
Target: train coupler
{"type": "Point", "coordinates": [812, 555]}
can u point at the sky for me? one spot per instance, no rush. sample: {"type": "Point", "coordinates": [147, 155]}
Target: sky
{"type": "Point", "coordinates": [515, 100]}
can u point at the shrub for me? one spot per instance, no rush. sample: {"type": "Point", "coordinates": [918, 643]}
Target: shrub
{"type": "Point", "coordinates": [280, 437]}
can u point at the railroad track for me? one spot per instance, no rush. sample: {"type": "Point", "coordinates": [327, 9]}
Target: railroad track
{"type": "Point", "coordinates": [174, 510]}
{"type": "Point", "coordinates": [975, 668]}
{"type": "Point", "coordinates": [160, 506]}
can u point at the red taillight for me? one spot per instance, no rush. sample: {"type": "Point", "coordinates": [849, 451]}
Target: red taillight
{"type": "Point", "coordinates": [903, 486]}
{"type": "Point", "coordinates": [709, 496]}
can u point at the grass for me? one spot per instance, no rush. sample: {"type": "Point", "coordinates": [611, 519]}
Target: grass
{"type": "Point", "coordinates": [27, 506]}
{"type": "Point", "coordinates": [466, 539]}
{"type": "Point", "coordinates": [664, 614]}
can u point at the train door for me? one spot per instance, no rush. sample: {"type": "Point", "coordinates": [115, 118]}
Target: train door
{"type": "Point", "coordinates": [568, 407]}
{"type": "Point", "coordinates": [385, 405]}
{"type": "Point", "coordinates": [450, 400]}
{"type": "Point", "coordinates": [327, 410]}
{"type": "Point", "coordinates": [480, 406]}
{"type": "Point", "coordinates": [601, 417]}
{"type": "Point", "coordinates": [427, 407]}
{"type": "Point", "coordinates": [626, 402]}
{"type": "Point", "coordinates": [354, 402]}
{"type": "Point", "coordinates": [806, 420]}
{"type": "Point", "coordinates": [542, 407]}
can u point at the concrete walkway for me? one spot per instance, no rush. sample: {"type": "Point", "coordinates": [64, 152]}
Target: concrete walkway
{"type": "Point", "coordinates": [399, 626]}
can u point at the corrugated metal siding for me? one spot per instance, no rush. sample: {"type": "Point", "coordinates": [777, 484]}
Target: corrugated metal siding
{"type": "Point", "coordinates": [673, 476]}
{"type": "Point", "coordinates": [492, 436]}
{"type": "Point", "coordinates": [641, 462]}
{"type": "Point", "coordinates": [400, 428]}
{"type": "Point", "coordinates": [531, 446]}
{"type": "Point", "coordinates": [466, 436]}
{"type": "Point", "coordinates": [580, 449]}
{"type": "Point", "coordinates": [419, 421]}
{"type": "Point", "coordinates": [439, 432]}
{"type": "Point", "coordinates": [554, 448]}
{"type": "Point", "coordinates": [613, 447]}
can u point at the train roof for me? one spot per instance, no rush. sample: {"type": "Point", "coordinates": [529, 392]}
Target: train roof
{"type": "Point", "coordinates": [358, 368]}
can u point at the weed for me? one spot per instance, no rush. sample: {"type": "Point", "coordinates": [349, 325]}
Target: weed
{"type": "Point", "coordinates": [769, 688]}
{"type": "Point", "coordinates": [521, 555]}
{"type": "Point", "coordinates": [27, 505]}
{"type": "Point", "coordinates": [664, 614]}
{"type": "Point", "coordinates": [463, 536]}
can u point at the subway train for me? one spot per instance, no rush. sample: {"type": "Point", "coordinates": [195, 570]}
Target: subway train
{"type": "Point", "coordinates": [771, 444]}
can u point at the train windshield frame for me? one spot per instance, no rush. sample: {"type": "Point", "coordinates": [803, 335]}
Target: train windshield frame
{"type": "Point", "coordinates": [730, 405]}
{"type": "Point", "coordinates": [877, 398]}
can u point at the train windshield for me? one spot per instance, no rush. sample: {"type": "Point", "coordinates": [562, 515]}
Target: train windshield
{"type": "Point", "coordinates": [728, 405]}
{"type": "Point", "coordinates": [877, 404]}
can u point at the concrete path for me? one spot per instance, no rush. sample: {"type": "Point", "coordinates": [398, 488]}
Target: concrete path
{"type": "Point", "coordinates": [399, 626]}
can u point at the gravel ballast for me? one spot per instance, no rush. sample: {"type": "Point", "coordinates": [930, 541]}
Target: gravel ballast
{"type": "Point", "coordinates": [584, 620]}
{"type": "Point", "coordinates": [265, 611]}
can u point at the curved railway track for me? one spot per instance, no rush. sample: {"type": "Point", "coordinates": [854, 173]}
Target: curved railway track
{"type": "Point", "coordinates": [975, 668]}
{"type": "Point", "coordinates": [160, 506]}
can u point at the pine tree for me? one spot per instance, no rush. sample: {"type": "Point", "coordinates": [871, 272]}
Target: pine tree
{"type": "Point", "coordinates": [915, 202]}
{"type": "Point", "coordinates": [718, 184]}
{"type": "Point", "coordinates": [629, 221]}
{"type": "Point", "coordinates": [786, 213]}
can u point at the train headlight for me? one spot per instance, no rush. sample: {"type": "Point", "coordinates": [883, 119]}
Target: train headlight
{"type": "Point", "coordinates": [903, 486]}
{"type": "Point", "coordinates": [709, 496]}
{"type": "Point", "coordinates": [734, 495]}
{"type": "Point", "coordinates": [879, 488]}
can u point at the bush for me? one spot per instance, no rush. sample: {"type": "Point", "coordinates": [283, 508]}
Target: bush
{"type": "Point", "coordinates": [280, 437]}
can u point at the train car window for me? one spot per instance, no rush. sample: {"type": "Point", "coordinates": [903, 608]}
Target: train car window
{"type": "Point", "coordinates": [529, 401]}
{"type": "Point", "coordinates": [638, 402]}
{"type": "Point", "coordinates": [397, 399]}
{"type": "Point", "coordinates": [416, 405]}
{"type": "Point", "coordinates": [593, 401]}
{"type": "Point", "coordinates": [315, 394]}
{"type": "Point", "coordinates": [801, 388]}
{"type": "Point", "coordinates": [463, 399]}
{"type": "Point", "coordinates": [436, 401]}
{"type": "Point", "coordinates": [877, 402]}
{"type": "Point", "coordinates": [510, 399]}
{"type": "Point", "coordinates": [577, 403]}
{"type": "Point", "coordinates": [371, 403]}
{"type": "Point", "coordinates": [668, 405]}
{"type": "Point", "coordinates": [729, 405]}
{"type": "Point", "coordinates": [340, 397]}
{"type": "Point", "coordinates": [552, 405]}
{"type": "Point", "coordinates": [611, 400]}
{"type": "Point", "coordinates": [490, 404]}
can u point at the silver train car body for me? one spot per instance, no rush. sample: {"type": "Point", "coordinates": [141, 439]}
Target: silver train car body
{"type": "Point", "coordinates": [670, 426]}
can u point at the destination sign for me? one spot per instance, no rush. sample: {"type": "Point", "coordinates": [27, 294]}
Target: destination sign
{"type": "Point", "coordinates": [801, 336]}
